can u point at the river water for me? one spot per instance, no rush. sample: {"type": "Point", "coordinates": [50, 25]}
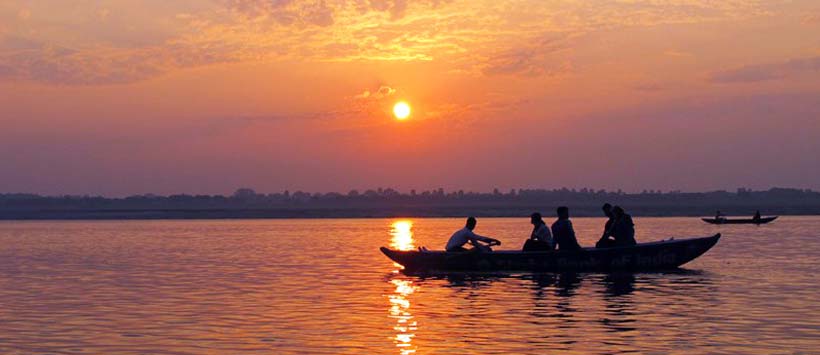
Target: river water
{"type": "Point", "coordinates": [322, 287]}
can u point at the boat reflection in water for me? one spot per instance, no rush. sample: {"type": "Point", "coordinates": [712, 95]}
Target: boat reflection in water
{"type": "Point", "coordinates": [402, 239]}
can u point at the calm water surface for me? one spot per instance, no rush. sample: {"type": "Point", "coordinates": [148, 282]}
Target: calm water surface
{"type": "Point", "coordinates": [322, 287]}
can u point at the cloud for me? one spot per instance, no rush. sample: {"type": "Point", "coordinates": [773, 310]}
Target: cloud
{"type": "Point", "coordinates": [382, 92]}
{"type": "Point", "coordinates": [286, 12]}
{"type": "Point", "coordinates": [321, 12]}
{"type": "Point", "coordinates": [811, 19]}
{"type": "Point", "coordinates": [769, 71]}
{"type": "Point", "coordinates": [524, 50]}
{"type": "Point", "coordinates": [103, 13]}
{"type": "Point", "coordinates": [54, 64]}
{"type": "Point", "coordinates": [501, 37]}
{"type": "Point", "coordinates": [649, 87]}
{"type": "Point", "coordinates": [677, 53]}
{"type": "Point", "coordinates": [534, 60]}
{"type": "Point", "coordinates": [24, 14]}
{"type": "Point", "coordinates": [396, 8]}
{"type": "Point", "coordinates": [17, 43]}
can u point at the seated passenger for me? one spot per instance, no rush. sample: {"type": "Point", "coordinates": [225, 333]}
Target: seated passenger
{"type": "Point", "coordinates": [606, 241]}
{"type": "Point", "coordinates": [541, 238]}
{"type": "Point", "coordinates": [562, 231]}
{"type": "Point", "coordinates": [623, 230]}
{"type": "Point", "coordinates": [465, 235]}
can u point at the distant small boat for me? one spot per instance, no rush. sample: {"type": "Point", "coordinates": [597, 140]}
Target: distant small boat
{"type": "Point", "coordinates": [661, 255]}
{"type": "Point", "coordinates": [762, 220]}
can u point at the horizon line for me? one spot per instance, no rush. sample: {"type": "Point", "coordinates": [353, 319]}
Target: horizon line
{"type": "Point", "coordinates": [389, 191]}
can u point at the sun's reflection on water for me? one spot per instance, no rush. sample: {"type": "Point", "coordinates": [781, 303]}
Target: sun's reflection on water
{"type": "Point", "coordinates": [400, 311]}
{"type": "Point", "coordinates": [402, 235]}
{"type": "Point", "coordinates": [402, 239]}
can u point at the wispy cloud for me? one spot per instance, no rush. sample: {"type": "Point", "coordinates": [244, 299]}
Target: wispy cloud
{"type": "Point", "coordinates": [811, 19]}
{"type": "Point", "coordinates": [120, 43]}
{"type": "Point", "coordinates": [539, 58]}
{"type": "Point", "coordinates": [649, 87]}
{"type": "Point", "coordinates": [769, 71]}
{"type": "Point", "coordinates": [380, 93]}
{"type": "Point", "coordinates": [317, 13]}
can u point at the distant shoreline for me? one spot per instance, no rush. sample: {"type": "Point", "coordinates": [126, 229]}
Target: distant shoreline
{"type": "Point", "coordinates": [329, 214]}
{"type": "Point", "coordinates": [388, 203]}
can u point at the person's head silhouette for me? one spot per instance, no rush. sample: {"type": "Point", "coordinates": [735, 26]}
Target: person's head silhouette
{"type": "Point", "coordinates": [563, 212]}
{"type": "Point", "coordinates": [471, 222]}
{"type": "Point", "coordinates": [607, 208]}
{"type": "Point", "coordinates": [535, 218]}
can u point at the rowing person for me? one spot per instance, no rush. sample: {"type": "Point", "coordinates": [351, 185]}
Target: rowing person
{"type": "Point", "coordinates": [466, 235]}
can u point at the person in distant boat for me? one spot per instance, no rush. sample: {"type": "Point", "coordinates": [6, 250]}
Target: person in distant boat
{"type": "Point", "coordinates": [757, 216]}
{"type": "Point", "coordinates": [541, 238]}
{"type": "Point", "coordinates": [562, 232]}
{"type": "Point", "coordinates": [623, 229]}
{"type": "Point", "coordinates": [718, 215]}
{"type": "Point", "coordinates": [466, 235]}
{"type": "Point", "coordinates": [605, 240]}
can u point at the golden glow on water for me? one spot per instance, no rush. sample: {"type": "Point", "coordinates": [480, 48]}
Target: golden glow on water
{"type": "Point", "coordinates": [400, 311]}
{"type": "Point", "coordinates": [282, 287]}
{"type": "Point", "coordinates": [402, 235]}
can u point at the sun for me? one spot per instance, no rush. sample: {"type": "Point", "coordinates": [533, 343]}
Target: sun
{"type": "Point", "coordinates": [401, 110]}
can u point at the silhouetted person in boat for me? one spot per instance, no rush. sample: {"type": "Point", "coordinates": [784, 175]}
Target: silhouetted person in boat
{"type": "Point", "coordinates": [605, 240]}
{"type": "Point", "coordinates": [466, 235]}
{"type": "Point", "coordinates": [757, 216]}
{"type": "Point", "coordinates": [541, 238]}
{"type": "Point", "coordinates": [620, 230]}
{"type": "Point", "coordinates": [718, 215]}
{"type": "Point", "coordinates": [562, 231]}
{"type": "Point", "coordinates": [623, 229]}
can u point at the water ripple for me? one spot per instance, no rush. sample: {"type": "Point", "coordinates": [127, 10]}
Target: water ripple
{"type": "Point", "coordinates": [289, 287]}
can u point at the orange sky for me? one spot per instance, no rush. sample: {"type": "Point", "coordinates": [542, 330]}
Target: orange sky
{"type": "Point", "coordinates": [124, 97]}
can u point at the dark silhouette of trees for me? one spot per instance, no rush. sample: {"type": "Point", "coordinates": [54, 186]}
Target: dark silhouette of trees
{"type": "Point", "coordinates": [384, 202]}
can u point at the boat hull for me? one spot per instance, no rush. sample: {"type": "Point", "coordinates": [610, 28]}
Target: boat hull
{"type": "Point", "coordinates": [661, 255]}
{"type": "Point", "coordinates": [739, 220]}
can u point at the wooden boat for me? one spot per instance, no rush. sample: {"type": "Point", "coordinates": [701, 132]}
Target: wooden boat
{"type": "Point", "coordinates": [667, 254]}
{"type": "Point", "coordinates": [762, 220]}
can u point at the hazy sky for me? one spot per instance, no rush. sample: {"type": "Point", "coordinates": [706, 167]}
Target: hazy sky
{"type": "Point", "coordinates": [154, 96]}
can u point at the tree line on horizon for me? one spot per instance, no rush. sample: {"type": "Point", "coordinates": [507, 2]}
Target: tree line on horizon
{"type": "Point", "coordinates": [249, 198]}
